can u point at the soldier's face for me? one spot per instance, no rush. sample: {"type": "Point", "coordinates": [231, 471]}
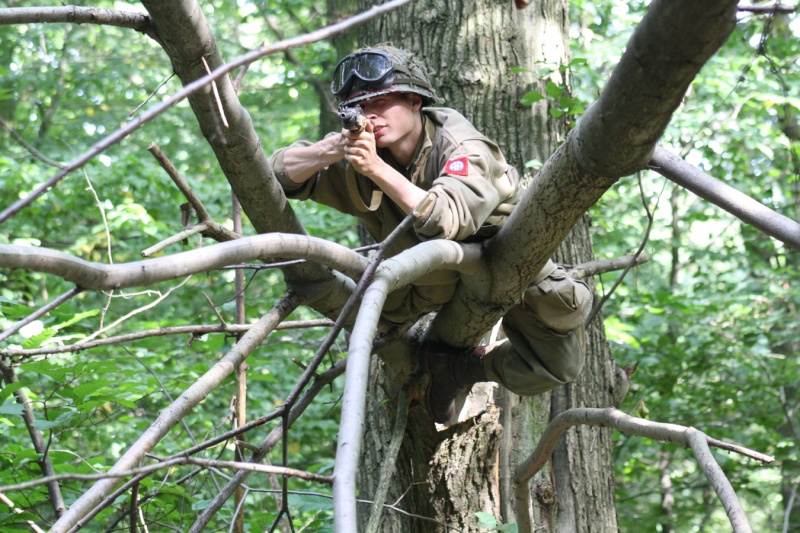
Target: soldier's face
{"type": "Point", "coordinates": [395, 119]}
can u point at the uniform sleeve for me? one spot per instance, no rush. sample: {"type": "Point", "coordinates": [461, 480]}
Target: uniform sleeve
{"type": "Point", "coordinates": [472, 184]}
{"type": "Point", "coordinates": [326, 187]}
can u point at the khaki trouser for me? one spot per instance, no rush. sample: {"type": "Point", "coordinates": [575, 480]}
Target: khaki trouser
{"type": "Point", "coordinates": [546, 341]}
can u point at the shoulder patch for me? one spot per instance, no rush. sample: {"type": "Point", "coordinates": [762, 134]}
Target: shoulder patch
{"type": "Point", "coordinates": [457, 167]}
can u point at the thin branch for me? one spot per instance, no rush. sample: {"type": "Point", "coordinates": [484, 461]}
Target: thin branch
{"type": "Point", "coordinates": [46, 466]}
{"type": "Point", "coordinates": [178, 409]}
{"type": "Point", "coordinates": [190, 88]}
{"type": "Point", "coordinates": [79, 15]}
{"type": "Point", "coordinates": [193, 330]}
{"type": "Point", "coordinates": [268, 443]}
{"type": "Point", "coordinates": [115, 474]}
{"type": "Point", "coordinates": [33, 151]}
{"type": "Point", "coordinates": [389, 463]}
{"type": "Point", "coordinates": [601, 266]}
{"type": "Point", "coordinates": [633, 259]}
{"type": "Point", "coordinates": [698, 441]}
{"type": "Point", "coordinates": [216, 94]}
{"type": "Point", "coordinates": [161, 297]}
{"type": "Point", "coordinates": [614, 418]}
{"type": "Point", "coordinates": [215, 230]}
{"type": "Point", "coordinates": [40, 312]}
{"type": "Point", "coordinates": [726, 197]}
{"type": "Point", "coordinates": [776, 7]}
{"type": "Point", "coordinates": [8, 503]}
{"type": "Point", "coordinates": [202, 227]}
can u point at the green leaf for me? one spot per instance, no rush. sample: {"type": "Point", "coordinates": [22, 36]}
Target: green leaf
{"type": "Point", "coordinates": [11, 408]}
{"type": "Point", "coordinates": [9, 389]}
{"type": "Point", "coordinates": [486, 520]}
{"type": "Point", "coordinates": [557, 113]}
{"type": "Point", "coordinates": [530, 98]}
{"type": "Point", "coordinates": [553, 90]}
{"type": "Point", "coordinates": [37, 340]}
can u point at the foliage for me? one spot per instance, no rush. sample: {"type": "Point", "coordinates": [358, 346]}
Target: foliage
{"type": "Point", "coordinates": [711, 319]}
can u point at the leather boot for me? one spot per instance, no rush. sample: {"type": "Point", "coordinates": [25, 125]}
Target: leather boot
{"type": "Point", "coordinates": [452, 371]}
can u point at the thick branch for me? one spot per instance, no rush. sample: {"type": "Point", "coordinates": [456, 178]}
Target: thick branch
{"type": "Point", "coordinates": [98, 276]}
{"type": "Point", "coordinates": [78, 15]}
{"type": "Point", "coordinates": [615, 137]}
{"type": "Point", "coordinates": [726, 197]}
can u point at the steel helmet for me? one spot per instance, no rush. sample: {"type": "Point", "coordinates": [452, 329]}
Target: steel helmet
{"type": "Point", "coordinates": [382, 69]}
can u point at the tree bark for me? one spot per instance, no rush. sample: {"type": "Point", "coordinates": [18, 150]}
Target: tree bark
{"type": "Point", "coordinates": [469, 467]}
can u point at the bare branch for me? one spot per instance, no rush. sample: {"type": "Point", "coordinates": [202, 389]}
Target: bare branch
{"type": "Point", "coordinates": [601, 266]}
{"type": "Point", "coordinates": [775, 7]}
{"type": "Point", "coordinates": [726, 197]}
{"type": "Point", "coordinates": [268, 443]}
{"type": "Point", "coordinates": [237, 465]}
{"type": "Point", "coordinates": [699, 444]}
{"type": "Point", "coordinates": [209, 226]}
{"type": "Point", "coordinates": [8, 503]}
{"type": "Point", "coordinates": [33, 151]}
{"type": "Point", "coordinates": [390, 458]}
{"type": "Point", "coordinates": [40, 312]}
{"type": "Point", "coordinates": [193, 330]}
{"type": "Point", "coordinates": [98, 276]}
{"type": "Point", "coordinates": [78, 15]}
{"type": "Point", "coordinates": [616, 419]}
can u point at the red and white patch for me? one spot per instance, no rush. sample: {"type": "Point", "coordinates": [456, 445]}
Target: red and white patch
{"type": "Point", "coordinates": [457, 167]}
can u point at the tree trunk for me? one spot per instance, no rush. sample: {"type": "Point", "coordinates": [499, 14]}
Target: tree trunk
{"type": "Point", "coordinates": [453, 474]}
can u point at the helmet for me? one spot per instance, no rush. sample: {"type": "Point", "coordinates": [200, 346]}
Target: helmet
{"type": "Point", "coordinates": [382, 69]}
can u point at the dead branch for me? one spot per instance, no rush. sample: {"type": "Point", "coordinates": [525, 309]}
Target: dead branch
{"type": "Point", "coordinates": [726, 197]}
{"type": "Point", "coordinates": [193, 330]}
{"type": "Point", "coordinates": [8, 503]}
{"type": "Point", "coordinates": [601, 266]}
{"type": "Point", "coordinates": [33, 151]}
{"type": "Point", "coordinates": [213, 230]}
{"type": "Point", "coordinates": [616, 419]}
{"type": "Point", "coordinates": [390, 459]}
{"type": "Point", "coordinates": [268, 443]}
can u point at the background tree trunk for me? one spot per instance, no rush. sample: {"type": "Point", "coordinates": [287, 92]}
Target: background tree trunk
{"type": "Point", "coordinates": [471, 50]}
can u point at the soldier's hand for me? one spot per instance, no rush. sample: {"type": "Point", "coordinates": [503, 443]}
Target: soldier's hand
{"type": "Point", "coordinates": [361, 152]}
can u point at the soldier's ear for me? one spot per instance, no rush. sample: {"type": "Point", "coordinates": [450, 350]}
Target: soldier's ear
{"type": "Point", "coordinates": [415, 100]}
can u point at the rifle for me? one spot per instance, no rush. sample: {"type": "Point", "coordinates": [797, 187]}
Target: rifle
{"type": "Point", "coordinates": [353, 118]}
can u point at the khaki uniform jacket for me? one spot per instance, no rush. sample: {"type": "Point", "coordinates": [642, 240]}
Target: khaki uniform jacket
{"type": "Point", "coordinates": [474, 192]}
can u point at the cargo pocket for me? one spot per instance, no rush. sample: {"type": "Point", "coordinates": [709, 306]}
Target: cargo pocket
{"type": "Point", "coordinates": [560, 302]}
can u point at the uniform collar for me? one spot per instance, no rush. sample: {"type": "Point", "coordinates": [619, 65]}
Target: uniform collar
{"type": "Point", "coordinates": [423, 149]}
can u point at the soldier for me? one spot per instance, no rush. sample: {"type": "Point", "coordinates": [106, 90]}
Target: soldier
{"type": "Point", "coordinates": [407, 150]}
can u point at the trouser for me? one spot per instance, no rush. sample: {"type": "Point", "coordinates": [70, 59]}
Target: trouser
{"type": "Point", "coordinates": [545, 345]}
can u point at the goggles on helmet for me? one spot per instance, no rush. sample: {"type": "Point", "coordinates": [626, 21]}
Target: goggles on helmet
{"type": "Point", "coordinates": [374, 68]}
